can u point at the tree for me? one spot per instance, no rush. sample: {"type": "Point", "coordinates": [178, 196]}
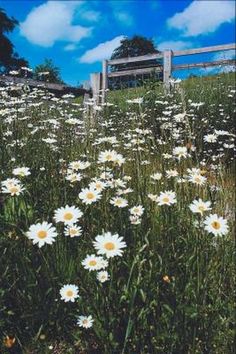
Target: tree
{"type": "Point", "coordinates": [47, 71]}
{"type": "Point", "coordinates": [9, 59]}
{"type": "Point", "coordinates": [133, 47]}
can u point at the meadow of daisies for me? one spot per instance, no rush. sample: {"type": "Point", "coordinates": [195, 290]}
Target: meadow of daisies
{"type": "Point", "coordinates": [116, 220]}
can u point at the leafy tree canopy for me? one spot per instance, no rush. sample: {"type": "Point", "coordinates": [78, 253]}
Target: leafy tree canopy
{"type": "Point", "coordinates": [133, 47]}
{"type": "Point", "coordinates": [9, 59]}
{"type": "Point", "coordinates": [47, 71]}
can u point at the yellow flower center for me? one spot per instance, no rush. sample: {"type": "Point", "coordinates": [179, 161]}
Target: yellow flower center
{"type": "Point", "coordinates": [42, 234]}
{"type": "Point", "coordinates": [14, 189]}
{"type": "Point", "coordinates": [109, 246]}
{"type": "Point", "coordinates": [68, 216]}
{"type": "Point", "coordinates": [215, 225]}
{"type": "Point", "coordinates": [90, 195]}
{"type": "Point", "coordinates": [109, 157]}
{"type": "Point", "coordinates": [166, 200]}
{"type": "Point", "coordinates": [197, 179]}
{"type": "Point", "coordinates": [72, 232]}
{"type": "Point", "coordinates": [201, 208]}
{"type": "Point", "coordinates": [69, 293]}
{"type": "Point", "coordinates": [92, 263]}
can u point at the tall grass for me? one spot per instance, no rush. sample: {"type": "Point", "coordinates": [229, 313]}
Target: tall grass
{"type": "Point", "coordinates": [172, 290]}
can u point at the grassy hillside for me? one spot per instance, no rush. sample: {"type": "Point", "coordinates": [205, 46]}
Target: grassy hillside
{"type": "Point", "coordinates": [117, 223]}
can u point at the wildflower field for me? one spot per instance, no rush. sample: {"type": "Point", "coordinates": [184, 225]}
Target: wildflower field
{"type": "Point", "coordinates": [116, 221]}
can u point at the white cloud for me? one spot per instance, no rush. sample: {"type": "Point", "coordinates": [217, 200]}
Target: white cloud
{"type": "Point", "coordinates": [51, 22]}
{"type": "Point", "coordinates": [124, 18]}
{"type": "Point", "coordinates": [175, 45]}
{"type": "Point", "coordinates": [224, 55]}
{"type": "Point", "coordinates": [91, 15]}
{"type": "Point", "coordinates": [203, 17]}
{"type": "Point", "coordinates": [102, 51]}
{"type": "Point", "coordinates": [70, 47]}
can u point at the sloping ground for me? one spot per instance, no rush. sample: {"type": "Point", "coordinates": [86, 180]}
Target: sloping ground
{"type": "Point", "coordinates": [157, 171]}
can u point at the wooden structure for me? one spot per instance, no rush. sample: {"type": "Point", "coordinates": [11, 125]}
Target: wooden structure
{"type": "Point", "coordinates": [58, 89]}
{"type": "Point", "coordinates": [168, 67]}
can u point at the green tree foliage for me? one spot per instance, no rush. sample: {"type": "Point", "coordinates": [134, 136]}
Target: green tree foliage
{"type": "Point", "coordinates": [133, 47]}
{"type": "Point", "coordinates": [9, 59]}
{"type": "Point", "coordinates": [47, 71]}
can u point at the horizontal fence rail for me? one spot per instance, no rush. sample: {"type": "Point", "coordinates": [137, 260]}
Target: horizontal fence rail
{"type": "Point", "coordinates": [31, 82]}
{"type": "Point", "coordinates": [135, 71]}
{"type": "Point", "coordinates": [216, 48]}
{"type": "Point", "coordinates": [205, 64]}
{"type": "Point", "coordinates": [100, 80]}
{"type": "Point", "coordinates": [135, 59]}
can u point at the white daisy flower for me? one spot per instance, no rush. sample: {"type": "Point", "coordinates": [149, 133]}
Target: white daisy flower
{"type": "Point", "coordinates": [73, 231]}
{"type": "Point", "coordinates": [79, 165]}
{"type": "Point", "coordinates": [171, 173]}
{"type": "Point", "coordinates": [216, 225]}
{"type": "Point", "coordinates": [119, 159]}
{"type": "Point", "coordinates": [68, 214]}
{"type": "Point", "coordinates": [180, 151]}
{"type": "Point", "coordinates": [12, 187]}
{"type": "Point", "coordinates": [109, 245]}
{"type": "Point", "coordinates": [107, 156]}
{"type": "Point", "coordinates": [89, 195]}
{"type": "Point", "coordinates": [135, 220]}
{"type": "Point", "coordinates": [197, 179]}
{"type": "Point", "coordinates": [85, 321]}
{"type": "Point", "coordinates": [21, 171]}
{"type": "Point", "coordinates": [199, 206]}
{"type": "Point", "coordinates": [103, 276]}
{"type": "Point", "coordinates": [210, 138]}
{"type": "Point", "coordinates": [69, 292]}
{"type": "Point", "coordinates": [98, 185]}
{"type": "Point", "coordinates": [137, 210]}
{"type": "Point", "coordinates": [166, 198]}
{"type": "Point", "coordinates": [119, 202]}
{"type": "Point", "coordinates": [153, 197]}
{"type": "Point", "coordinates": [156, 176]}
{"type": "Point", "coordinates": [42, 233]}
{"type": "Point", "coordinates": [92, 262]}
{"type": "Point", "coordinates": [73, 177]}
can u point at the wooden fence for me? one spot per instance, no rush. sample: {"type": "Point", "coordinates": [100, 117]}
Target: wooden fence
{"type": "Point", "coordinates": [59, 89]}
{"type": "Point", "coordinates": [31, 82]}
{"type": "Point", "coordinates": [100, 81]}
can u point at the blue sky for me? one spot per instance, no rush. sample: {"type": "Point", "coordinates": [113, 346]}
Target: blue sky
{"type": "Point", "coordinates": [77, 35]}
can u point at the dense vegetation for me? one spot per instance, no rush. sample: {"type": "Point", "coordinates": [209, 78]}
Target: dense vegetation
{"type": "Point", "coordinates": [155, 169]}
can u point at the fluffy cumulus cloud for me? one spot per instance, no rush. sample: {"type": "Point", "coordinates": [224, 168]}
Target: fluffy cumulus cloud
{"type": "Point", "coordinates": [175, 45]}
{"type": "Point", "coordinates": [122, 16]}
{"type": "Point", "coordinates": [226, 54]}
{"type": "Point", "coordinates": [102, 51]}
{"type": "Point", "coordinates": [91, 15]}
{"type": "Point", "coordinates": [51, 22]}
{"type": "Point", "coordinates": [203, 17]}
{"type": "Point", "coordinates": [70, 47]}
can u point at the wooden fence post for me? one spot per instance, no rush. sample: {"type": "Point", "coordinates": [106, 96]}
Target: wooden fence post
{"type": "Point", "coordinates": [95, 80]}
{"type": "Point", "coordinates": [167, 68]}
{"type": "Point", "coordinates": [104, 79]}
